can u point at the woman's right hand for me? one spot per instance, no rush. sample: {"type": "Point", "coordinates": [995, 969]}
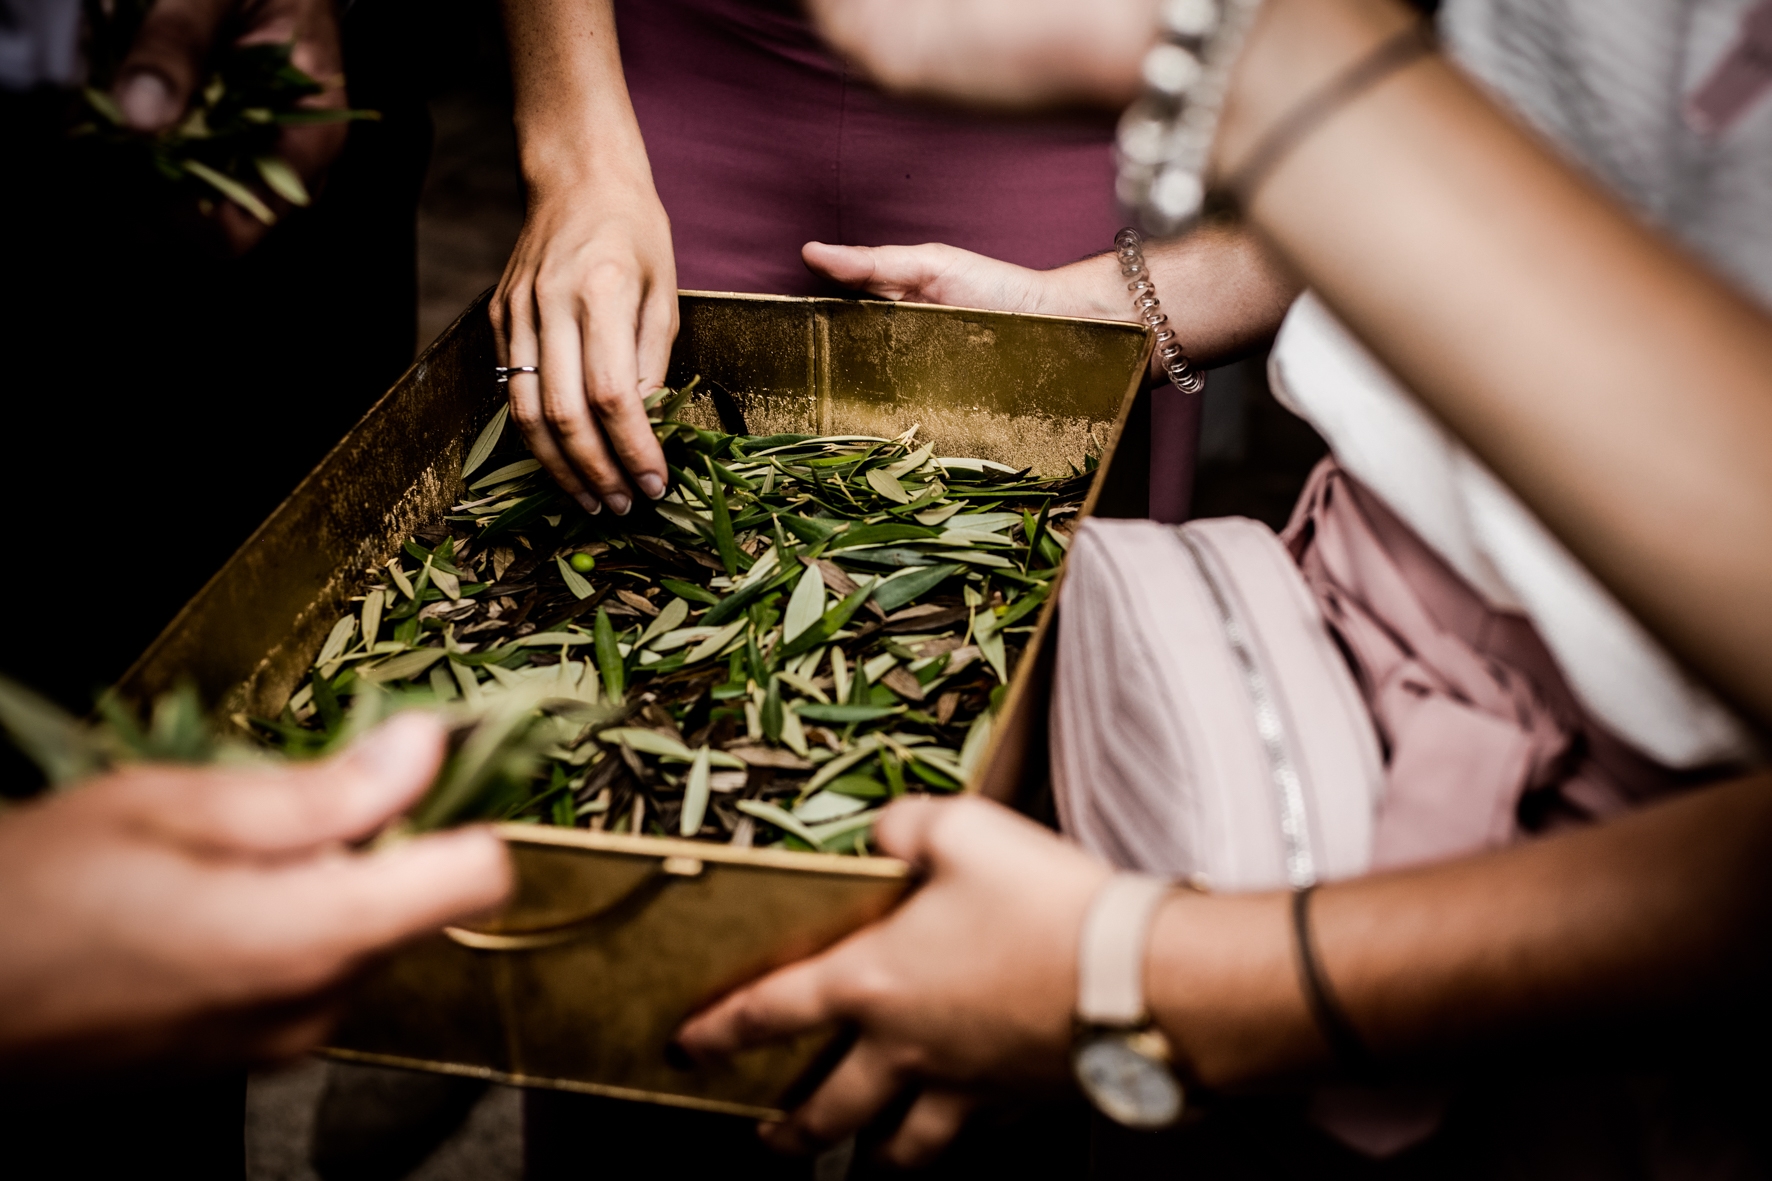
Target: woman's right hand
{"type": "Point", "coordinates": [590, 297]}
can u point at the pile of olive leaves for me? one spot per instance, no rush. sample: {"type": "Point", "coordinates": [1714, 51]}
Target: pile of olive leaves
{"type": "Point", "coordinates": [801, 629]}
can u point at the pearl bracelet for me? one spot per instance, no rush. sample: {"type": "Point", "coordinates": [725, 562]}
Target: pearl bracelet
{"type": "Point", "coordinates": [1164, 142]}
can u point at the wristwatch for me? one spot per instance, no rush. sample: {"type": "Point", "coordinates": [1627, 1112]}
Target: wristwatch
{"type": "Point", "coordinates": [1121, 1059]}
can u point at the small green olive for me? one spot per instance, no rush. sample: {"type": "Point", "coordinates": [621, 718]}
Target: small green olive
{"type": "Point", "coordinates": [583, 563]}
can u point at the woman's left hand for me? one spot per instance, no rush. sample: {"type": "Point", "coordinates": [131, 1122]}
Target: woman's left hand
{"type": "Point", "coordinates": [971, 983]}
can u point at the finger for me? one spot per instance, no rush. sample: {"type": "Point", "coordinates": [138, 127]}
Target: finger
{"type": "Point", "coordinates": [544, 444]}
{"type": "Point", "coordinates": [612, 377]}
{"type": "Point", "coordinates": [565, 343]}
{"type": "Point", "coordinates": [905, 828]}
{"type": "Point", "coordinates": [513, 326]}
{"type": "Point", "coordinates": [852, 266]}
{"type": "Point", "coordinates": [658, 330]}
{"type": "Point", "coordinates": [786, 1002]}
{"type": "Point", "coordinates": [318, 51]}
{"type": "Point", "coordinates": [303, 927]}
{"type": "Point", "coordinates": [165, 64]}
{"type": "Point", "coordinates": [861, 1086]}
{"type": "Point", "coordinates": [933, 1121]}
{"type": "Point", "coordinates": [293, 809]}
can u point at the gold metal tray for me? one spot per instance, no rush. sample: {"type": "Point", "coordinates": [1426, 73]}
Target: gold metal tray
{"type": "Point", "coordinates": [613, 940]}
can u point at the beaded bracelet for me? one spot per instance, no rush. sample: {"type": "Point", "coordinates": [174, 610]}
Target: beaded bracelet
{"type": "Point", "coordinates": [1129, 248]}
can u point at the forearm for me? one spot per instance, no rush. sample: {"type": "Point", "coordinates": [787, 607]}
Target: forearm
{"type": "Point", "coordinates": [1224, 290]}
{"type": "Point", "coordinates": [1619, 388]}
{"type": "Point", "coordinates": [1641, 915]}
{"type": "Point", "coordinates": [575, 124]}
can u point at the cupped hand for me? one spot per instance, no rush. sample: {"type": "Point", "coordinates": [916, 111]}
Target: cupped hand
{"type": "Point", "coordinates": [1015, 53]}
{"type": "Point", "coordinates": [969, 986]}
{"type": "Point", "coordinates": [209, 915]}
{"type": "Point", "coordinates": [169, 62]}
{"type": "Point", "coordinates": [590, 296]}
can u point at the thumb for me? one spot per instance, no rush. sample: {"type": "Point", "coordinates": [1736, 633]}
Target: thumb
{"type": "Point", "coordinates": [165, 65]}
{"type": "Point", "coordinates": [287, 810]}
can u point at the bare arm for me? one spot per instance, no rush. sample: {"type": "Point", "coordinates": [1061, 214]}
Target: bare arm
{"type": "Point", "coordinates": [972, 983]}
{"type": "Point", "coordinates": [590, 293]}
{"type": "Point", "coordinates": [1223, 289]}
{"type": "Point", "coordinates": [1657, 909]}
{"type": "Point", "coordinates": [1616, 385]}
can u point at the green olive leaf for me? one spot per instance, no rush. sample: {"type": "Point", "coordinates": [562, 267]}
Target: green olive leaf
{"type": "Point", "coordinates": [695, 794]}
{"type": "Point", "coordinates": [806, 605]}
{"type": "Point", "coordinates": [575, 582]}
{"type": "Point", "coordinates": [488, 440]}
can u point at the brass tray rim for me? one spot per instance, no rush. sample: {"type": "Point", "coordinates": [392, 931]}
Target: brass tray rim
{"type": "Point", "coordinates": [762, 297]}
{"type": "Point", "coordinates": [871, 866]}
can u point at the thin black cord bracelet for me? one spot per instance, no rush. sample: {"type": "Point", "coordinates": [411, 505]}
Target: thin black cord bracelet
{"type": "Point", "coordinates": [1391, 55]}
{"type": "Point", "coordinates": [1344, 1040]}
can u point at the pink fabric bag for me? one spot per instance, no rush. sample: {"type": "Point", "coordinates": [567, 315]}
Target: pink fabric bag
{"type": "Point", "coordinates": [1414, 718]}
{"type": "Point", "coordinates": [1203, 724]}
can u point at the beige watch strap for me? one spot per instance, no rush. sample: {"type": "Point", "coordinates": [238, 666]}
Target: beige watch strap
{"type": "Point", "coordinates": [1110, 952]}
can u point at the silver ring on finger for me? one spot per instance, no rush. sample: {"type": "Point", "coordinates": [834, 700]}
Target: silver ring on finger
{"type": "Point", "coordinates": [504, 373]}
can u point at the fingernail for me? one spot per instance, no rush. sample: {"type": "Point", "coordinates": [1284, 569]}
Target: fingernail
{"type": "Point", "coordinates": [620, 502]}
{"type": "Point", "coordinates": [391, 749]}
{"type": "Point", "coordinates": [652, 485]}
{"type": "Point", "coordinates": [589, 503]}
{"type": "Point", "coordinates": [146, 102]}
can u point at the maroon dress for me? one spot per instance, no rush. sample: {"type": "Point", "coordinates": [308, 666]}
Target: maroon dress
{"type": "Point", "coordinates": [762, 140]}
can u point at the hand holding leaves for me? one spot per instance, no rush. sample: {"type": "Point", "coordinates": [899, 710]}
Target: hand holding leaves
{"type": "Point", "coordinates": [239, 100]}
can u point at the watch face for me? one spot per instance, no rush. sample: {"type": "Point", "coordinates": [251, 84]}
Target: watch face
{"type": "Point", "coordinates": [1126, 1083]}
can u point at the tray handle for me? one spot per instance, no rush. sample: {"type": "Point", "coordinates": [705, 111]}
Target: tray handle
{"type": "Point", "coordinates": [541, 938]}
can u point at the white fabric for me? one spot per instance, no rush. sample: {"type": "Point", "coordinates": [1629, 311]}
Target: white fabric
{"type": "Point", "coordinates": [1605, 83]}
{"type": "Point", "coordinates": [1390, 443]}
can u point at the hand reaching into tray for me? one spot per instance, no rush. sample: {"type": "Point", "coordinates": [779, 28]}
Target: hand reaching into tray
{"type": "Point", "coordinates": [208, 916]}
{"type": "Point", "coordinates": [590, 292]}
